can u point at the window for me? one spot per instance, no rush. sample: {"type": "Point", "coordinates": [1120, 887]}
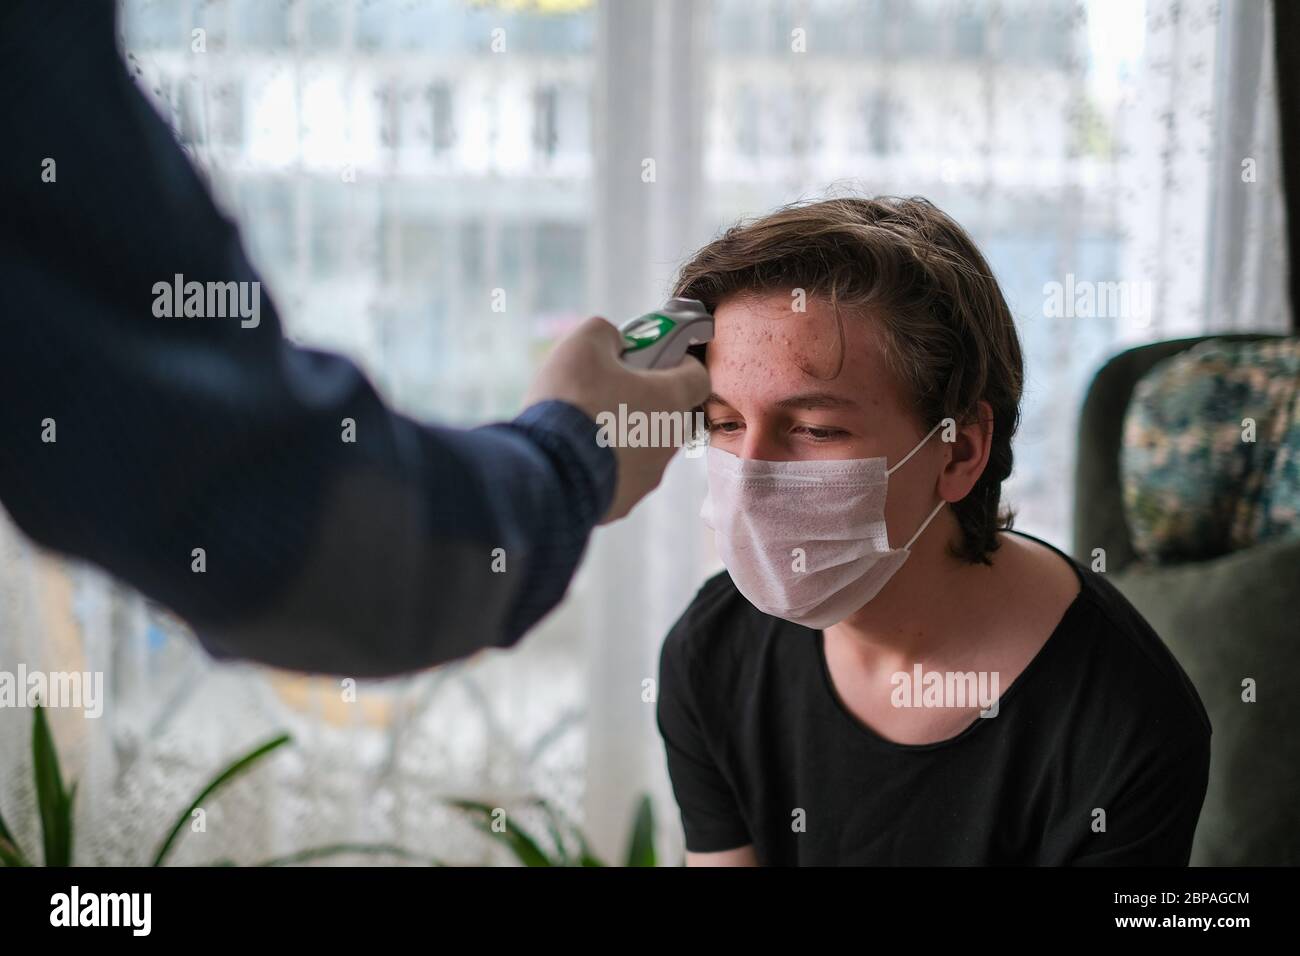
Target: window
{"type": "Point", "coordinates": [440, 188]}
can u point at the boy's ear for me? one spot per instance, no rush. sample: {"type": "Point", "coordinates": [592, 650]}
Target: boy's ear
{"type": "Point", "coordinates": [968, 454]}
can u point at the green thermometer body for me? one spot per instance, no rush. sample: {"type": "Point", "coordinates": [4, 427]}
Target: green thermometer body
{"type": "Point", "coordinates": [660, 339]}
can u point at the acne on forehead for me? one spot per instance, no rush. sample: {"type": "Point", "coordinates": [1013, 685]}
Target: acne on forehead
{"type": "Point", "coordinates": [768, 330]}
{"type": "Point", "coordinates": [762, 346]}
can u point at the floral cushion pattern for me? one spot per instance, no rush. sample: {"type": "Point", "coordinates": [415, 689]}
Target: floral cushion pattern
{"type": "Point", "coordinates": [1210, 462]}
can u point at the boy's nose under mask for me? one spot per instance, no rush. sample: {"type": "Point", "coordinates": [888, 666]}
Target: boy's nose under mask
{"type": "Point", "coordinates": [805, 540]}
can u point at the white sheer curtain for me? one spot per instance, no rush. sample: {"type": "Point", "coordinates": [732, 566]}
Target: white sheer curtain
{"type": "Point", "coordinates": [1080, 142]}
{"type": "Point", "coordinates": [1246, 276]}
{"type": "Point", "coordinates": [652, 69]}
{"type": "Point", "coordinates": [391, 171]}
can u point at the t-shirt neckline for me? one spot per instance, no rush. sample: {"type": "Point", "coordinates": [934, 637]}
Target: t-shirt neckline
{"type": "Point", "coordinates": [1034, 665]}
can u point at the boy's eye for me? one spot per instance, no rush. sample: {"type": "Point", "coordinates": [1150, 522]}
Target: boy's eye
{"type": "Point", "coordinates": [725, 427]}
{"type": "Point", "coordinates": [816, 433]}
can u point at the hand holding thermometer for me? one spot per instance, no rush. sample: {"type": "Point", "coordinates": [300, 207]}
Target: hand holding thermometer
{"type": "Point", "coordinates": [660, 339]}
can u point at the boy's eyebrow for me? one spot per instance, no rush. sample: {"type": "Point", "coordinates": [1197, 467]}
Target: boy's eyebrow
{"type": "Point", "coordinates": [803, 400]}
{"type": "Point", "coordinates": [816, 400]}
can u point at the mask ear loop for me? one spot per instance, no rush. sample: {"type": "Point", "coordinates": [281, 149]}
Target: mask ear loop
{"type": "Point", "coordinates": [924, 525]}
{"type": "Point", "coordinates": [889, 471]}
{"type": "Point", "coordinates": [919, 446]}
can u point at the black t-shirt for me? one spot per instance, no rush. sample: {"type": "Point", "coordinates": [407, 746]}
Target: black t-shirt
{"type": "Point", "coordinates": [1101, 728]}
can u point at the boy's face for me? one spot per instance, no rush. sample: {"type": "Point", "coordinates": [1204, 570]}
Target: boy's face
{"type": "Point", "coordinates": [773, 399]}
{"type": "Point", "coordinates": [766, 407]}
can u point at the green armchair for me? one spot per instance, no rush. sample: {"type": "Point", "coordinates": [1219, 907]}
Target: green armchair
{"type": "Point", "coordinates": [1226, 619]}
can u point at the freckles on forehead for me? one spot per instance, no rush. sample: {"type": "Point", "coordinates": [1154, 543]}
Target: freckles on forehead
{"type": "Point", "coordinates": [762, 347]}
{"type": "Point", "coordinates": [765, 337]}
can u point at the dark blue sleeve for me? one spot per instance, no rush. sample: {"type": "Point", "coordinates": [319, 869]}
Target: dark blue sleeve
{"type": "Point", "coordinates": [205, 460]}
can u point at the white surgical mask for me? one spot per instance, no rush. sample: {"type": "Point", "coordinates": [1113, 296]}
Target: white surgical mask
{"type": "Point", "coordinates": [805, 540]}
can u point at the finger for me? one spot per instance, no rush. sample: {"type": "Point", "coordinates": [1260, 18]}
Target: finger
{"type": "Point", "coordinates": [688, 382]}
{"type": "Point", "coordinates": [603, 333]}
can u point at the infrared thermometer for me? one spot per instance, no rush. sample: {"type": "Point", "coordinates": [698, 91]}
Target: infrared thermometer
{"type": "Point", "coordinates": [660, 339]}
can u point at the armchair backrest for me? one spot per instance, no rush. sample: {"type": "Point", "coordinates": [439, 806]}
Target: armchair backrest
{"type": "Point", "coordinates": [1099, 520]}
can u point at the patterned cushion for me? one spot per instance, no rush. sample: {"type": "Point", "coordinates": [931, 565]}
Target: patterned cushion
{"type": "Point", "coordinates": [1197, 483]}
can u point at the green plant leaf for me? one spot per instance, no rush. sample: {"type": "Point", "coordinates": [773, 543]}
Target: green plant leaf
{"type": "Point", "coordinates": [54, 802]}
{"type": "Point", "coordinates": [585, 856]}
{"type": "Point", "coordinates": [641, 844]}
{"type": "Point", "coordinates": [555, 824]}
{"type": "Point", "coordinates": [516, 838]}
{"type": "Point", "coordinates": [240, 766]}
{"type": "Point", "coordinates": [72, 818]}
{"type": "Point", "coordinates": [340, 849]}
{"type": "Point", "coordinates": [10, 855]}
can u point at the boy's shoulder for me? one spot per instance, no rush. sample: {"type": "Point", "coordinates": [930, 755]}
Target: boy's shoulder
{"type": "Point", "coordinates": [1135, 684]}
{"type": "Point", "coordinates": [720, 632]}
{"type": "Point", "coordinates": [1109, 656]}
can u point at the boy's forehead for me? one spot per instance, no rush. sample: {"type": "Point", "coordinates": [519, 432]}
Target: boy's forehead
{"type": "Point", "coordinates": [758, 339]}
